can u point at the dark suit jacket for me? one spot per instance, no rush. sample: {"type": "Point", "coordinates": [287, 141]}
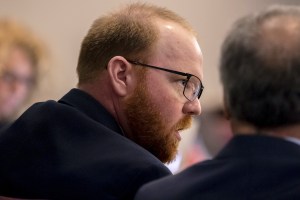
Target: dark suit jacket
{"type": "Point", "coordinates": [3, 125]}
{"type": "Point", "coordinates": [72, 149]}
{"type": "Point", "coordinates": [248, 168]}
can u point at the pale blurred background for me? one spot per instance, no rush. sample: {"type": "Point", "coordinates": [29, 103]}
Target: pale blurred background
{"type": "Point", "coordinates": [64, 23]}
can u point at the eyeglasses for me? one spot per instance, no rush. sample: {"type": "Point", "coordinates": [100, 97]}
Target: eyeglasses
{"type": "Point", "coordinates": [11, 78]}
{"type": "Point", "coordinates": [193, 86]}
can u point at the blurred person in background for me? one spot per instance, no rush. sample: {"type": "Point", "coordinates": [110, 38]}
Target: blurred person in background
{"type": "Point", "coordinates": [21, 56]}
{"type": "Point", "coordinates": [260, 70]}
{"type": "Point", "coordinates": [213, 133]}
{"type": "Point", "coordinates": [140, 71]}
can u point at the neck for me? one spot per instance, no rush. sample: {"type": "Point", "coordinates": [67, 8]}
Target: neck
{"type": "Point", "coordinates": [101, 94]}
{"type": "Point", "coordinates": [285, 131]}
{"type": "Point", "coordinates": [107, 98]}
{"type": "Point", "coordinates": [244, 128]}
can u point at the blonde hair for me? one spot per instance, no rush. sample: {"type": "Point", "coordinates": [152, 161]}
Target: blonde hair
{"type": "Point", "coordinates": [14, 34]}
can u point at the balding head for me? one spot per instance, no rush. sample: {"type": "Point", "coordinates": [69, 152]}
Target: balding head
{"type": "Point", "coordinates": [130, 32]}
{"type": "Point", "coordinates": [279, 38]}
{"type": "Point", "coordinates": [260, 68]}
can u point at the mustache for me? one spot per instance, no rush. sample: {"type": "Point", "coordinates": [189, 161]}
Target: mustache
{"type": "Point", "coordinates": [184, 123]}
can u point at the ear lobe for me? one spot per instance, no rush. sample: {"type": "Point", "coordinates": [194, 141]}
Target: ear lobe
{"type": "Point", "coordinates": [120, 73]}
{"type": "Point", "coordinates": [226, 109]}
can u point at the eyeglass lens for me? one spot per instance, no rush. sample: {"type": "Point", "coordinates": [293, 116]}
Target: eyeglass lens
{"type": "Point", "coordinates": [192, 88]}
{"type": "Point", "coordinates": [10, 78]}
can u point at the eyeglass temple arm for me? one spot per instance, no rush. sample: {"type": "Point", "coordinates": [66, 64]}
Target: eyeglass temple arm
{"type": "Point", "coordinates": [160, 68]}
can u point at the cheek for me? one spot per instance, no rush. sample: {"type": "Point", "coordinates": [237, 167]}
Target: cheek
{"type": "Point", "coordinates": [4, 89]}
{"type": "Point", "coordinates": [167, 104]}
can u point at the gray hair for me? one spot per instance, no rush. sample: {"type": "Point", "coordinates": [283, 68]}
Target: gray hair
{"type": "Point", "coordinates": [260, 67]}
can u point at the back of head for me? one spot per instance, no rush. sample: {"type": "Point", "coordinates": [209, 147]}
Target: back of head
{"type": "Point", "coordinates": [128, 32]}
{"type": "Point", "coordinates": [260, 68]}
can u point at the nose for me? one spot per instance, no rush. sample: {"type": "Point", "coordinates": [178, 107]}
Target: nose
{"type": "Point", "coordinates": [192, 107]}
{"type": "Point", "coordinates": [19, 88]}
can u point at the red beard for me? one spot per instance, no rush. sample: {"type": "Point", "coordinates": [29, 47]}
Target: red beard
{"type": "Point", "coordinates": [148, 127]}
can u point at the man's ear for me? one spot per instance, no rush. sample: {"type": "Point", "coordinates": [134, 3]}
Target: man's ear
{"type": "Point", "coordinates": [120, 73]}
{"type": "Point", "coordinates": [226, 107]}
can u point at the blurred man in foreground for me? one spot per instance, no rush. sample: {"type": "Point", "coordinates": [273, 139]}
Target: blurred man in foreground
{"type": "Point", "coordinates": [260, 70]}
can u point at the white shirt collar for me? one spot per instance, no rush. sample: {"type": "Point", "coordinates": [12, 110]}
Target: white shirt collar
{"type": "Point", "coordinates": [293, 139]}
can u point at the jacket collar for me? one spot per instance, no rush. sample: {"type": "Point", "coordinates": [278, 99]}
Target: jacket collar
{"type": "Point", "coordinates": [245, 146]}
{"type": "Point", "coordinates": [86, 104]}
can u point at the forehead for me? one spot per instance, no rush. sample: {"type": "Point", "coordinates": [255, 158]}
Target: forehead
{"type": "Point", "coordinates": [177, 48]}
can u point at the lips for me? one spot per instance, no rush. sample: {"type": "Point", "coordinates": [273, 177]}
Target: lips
{"type": "Point", "coordinates": [178, 136]}
{"type": "Point", "coordinates": [183, 124]}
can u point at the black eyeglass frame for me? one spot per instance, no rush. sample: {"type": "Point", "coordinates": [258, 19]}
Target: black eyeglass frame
{"type": "Point", "coordinates": [188, 76]}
